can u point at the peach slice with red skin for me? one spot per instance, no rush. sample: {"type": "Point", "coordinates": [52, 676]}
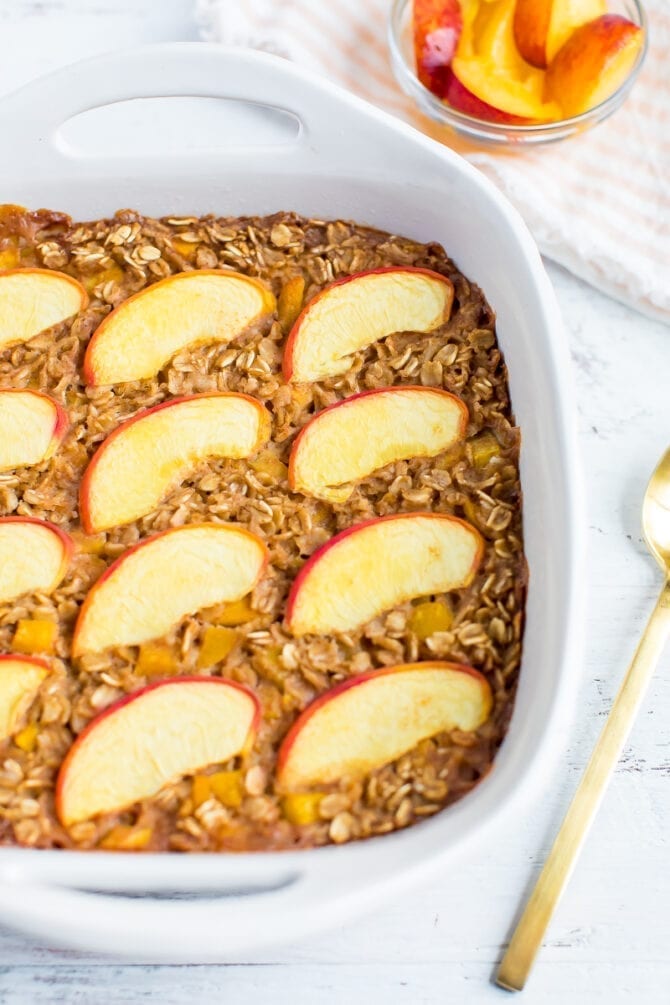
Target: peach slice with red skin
{"type": "Point", "coordinates": [370, 720]}
{"type": "Point", "coordinates": [350, 439]}
{"type": "Point", "coordinates": [32, 300]}
{"type": "Point", "coordinates": [356, 311]}
{"type": "Point", "coordinates": [437, 27]}
{"type": "Point", "coordinates": [146, 456]}
{"type": "Point", "coordinates": [152, 737]}
{"type": "Point", "coordinates": [488, 67]}
{"type": "Point", "coordinates": [153, 585]}
{"type": "Point", "coordinates": [34, 556]}
{"type": "Point", "coordinates": [594, 63]}
{"type": "Point", "coordinates": [20, 680]}
{"type": "Point", "coordinates": [137, 339]}
{"type": "Point", "coordinates": [376, 565]}
{"type": "Point", "coordinates": [541, 27]}
{"type": "Point", "coordinates": [32, 425]}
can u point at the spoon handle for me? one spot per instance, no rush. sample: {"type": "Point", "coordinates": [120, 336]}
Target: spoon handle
{"type": "Point", "coordinates": [529, 932]}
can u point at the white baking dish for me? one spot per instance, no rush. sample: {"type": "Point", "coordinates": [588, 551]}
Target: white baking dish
{"type": "Point", "coordinates": [347, 159]}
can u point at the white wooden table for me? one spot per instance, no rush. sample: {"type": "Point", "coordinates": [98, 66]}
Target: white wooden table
{"type": "Point", "coordinates": [610, 941]}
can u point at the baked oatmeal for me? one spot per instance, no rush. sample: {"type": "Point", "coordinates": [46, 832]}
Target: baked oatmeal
{"type": "Point", "coordinates": [237, 805]}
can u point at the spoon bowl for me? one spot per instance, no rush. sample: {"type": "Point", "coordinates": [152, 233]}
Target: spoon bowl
{"type": "Point", "coordinates": [656, 513]}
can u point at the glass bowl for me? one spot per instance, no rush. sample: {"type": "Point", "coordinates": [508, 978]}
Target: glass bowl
{"type": "Point", "coordinates": [496, 133]}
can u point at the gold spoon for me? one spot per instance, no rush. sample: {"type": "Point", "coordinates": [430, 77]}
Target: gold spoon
{"type": "Point", "coordinates": [529, 932]}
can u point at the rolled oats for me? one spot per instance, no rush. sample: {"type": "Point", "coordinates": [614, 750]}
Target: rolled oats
{"type": "Point", "coordinates": [120, 256]}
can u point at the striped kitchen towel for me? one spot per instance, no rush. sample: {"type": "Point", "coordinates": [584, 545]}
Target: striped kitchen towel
{"type": "Point", "coordinates": [599, 203]}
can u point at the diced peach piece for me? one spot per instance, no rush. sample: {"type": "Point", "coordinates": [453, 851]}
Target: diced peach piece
{"type": "Point", "coordinates": [267, 463]}
{"type": "Point", "coordinates": [302, 808]}
{"type": "Point", "coordinates": [541, 27]}
{"type": "Point", "coordinates": [10, 212]}
{"type": "Point", "coordinates": [430, 617]}
{"type": "Point", "coordinates": [483, 448]}
{"type": "Point", "coordinates": [217, 644]}
{"type": "Point", "coordinates": [156, 659]}
{"type": "Point", "coordinates": [354, 312]}
{"type": "Point", "coordinates": [89, 544]}
{"type": "Point", "coordinates": [20, 680]}
{"type": "Point", "coordinates": [594, 63]}
{"type": "Point", "coordinates": [446, 461]}
{"type": "Point", "coordinates": [376, 565]}
{"type": "Point", "coordinates": [35, 636]}
{"type": "Point", "coordinates": [32, 425]}
{"type": "Point", "coordinates": [437, 27]}
{"type": "Point", "coordinates": [153, 737]}
{"type": "Point", "coordinates": [26, 738]}
{"type": "Point", "coordinates": [143, 333]}
{"type": "Point", "coordinates": [112, 274]}
{"type": "Point", "coordinates": [137, 465]}
{"type": "Point", "coordinates": [34, 556]}
{"type": "Point", "coordinates": [9, 258]}
{"type": "Point", "coordinates": [32, 300]}
{"type": "Point", "coordinates": [237, 613]}
{"type": "Point", "coordinates": [227, 787]}
{"type": "Point", "coordinates": [289, 303]}
{"type": "Point", "coordinates": [372, 719]}
{"type": "Point", "coordinates": [125, 838]}
{"type": "Point", "coordinates": [201, 790]}
{"type": "Point", "coordinates": [185, 248]}
{"type": "Point", "coordinates": [153, 585]}
{"type": "Point", "coordinates": [352, 438]}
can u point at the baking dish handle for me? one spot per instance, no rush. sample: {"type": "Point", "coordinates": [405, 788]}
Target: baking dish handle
{"type": "Point", "coordinates": [186, 927]}
{"type": "Point", "coordinates": [30, 118]}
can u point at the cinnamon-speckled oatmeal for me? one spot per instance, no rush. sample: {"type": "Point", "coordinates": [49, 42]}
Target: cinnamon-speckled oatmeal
{"type": "Point", "coordinates": [480, 625]}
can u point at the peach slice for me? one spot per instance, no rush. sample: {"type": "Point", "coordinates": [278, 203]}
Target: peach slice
{"type": "Point", "coordinates": [352, 313]}
{"type": "Point", "coordinates": [32, 300]}
{"type": "Point", "coordinates": [20, 679]}
{"type": "Point", "coordinates": [31, 427]}
{"type": "Point", "coordinates": [488, 77]}
{"type": "Point", "coordinates": [352, 438]}
{"type": "Point", "coordinates": [379, 564]}
{"type": "Point", "coordinates": [487, 39]}
{"type": "Point", "coordinates": [147, 455]}
{"type": "Point", "coordinates": [137, 339]}
{"type": "Point", "coordinates": [593, 63]}
{"type": "Point", "coordinates": [152, 737]}
{"type": "Point", "coordinates": [519, 97]}
{"type": "Point", "coordinates": [153, 585]}
{"type": "Point", "coordinates": [437, 27]}
{"type": "Point", "coordinates": [541, 27]}
{"type": "Point", "coordinates": [34, 556]}
{"type": "Point", "coordinates": [370, 720]}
